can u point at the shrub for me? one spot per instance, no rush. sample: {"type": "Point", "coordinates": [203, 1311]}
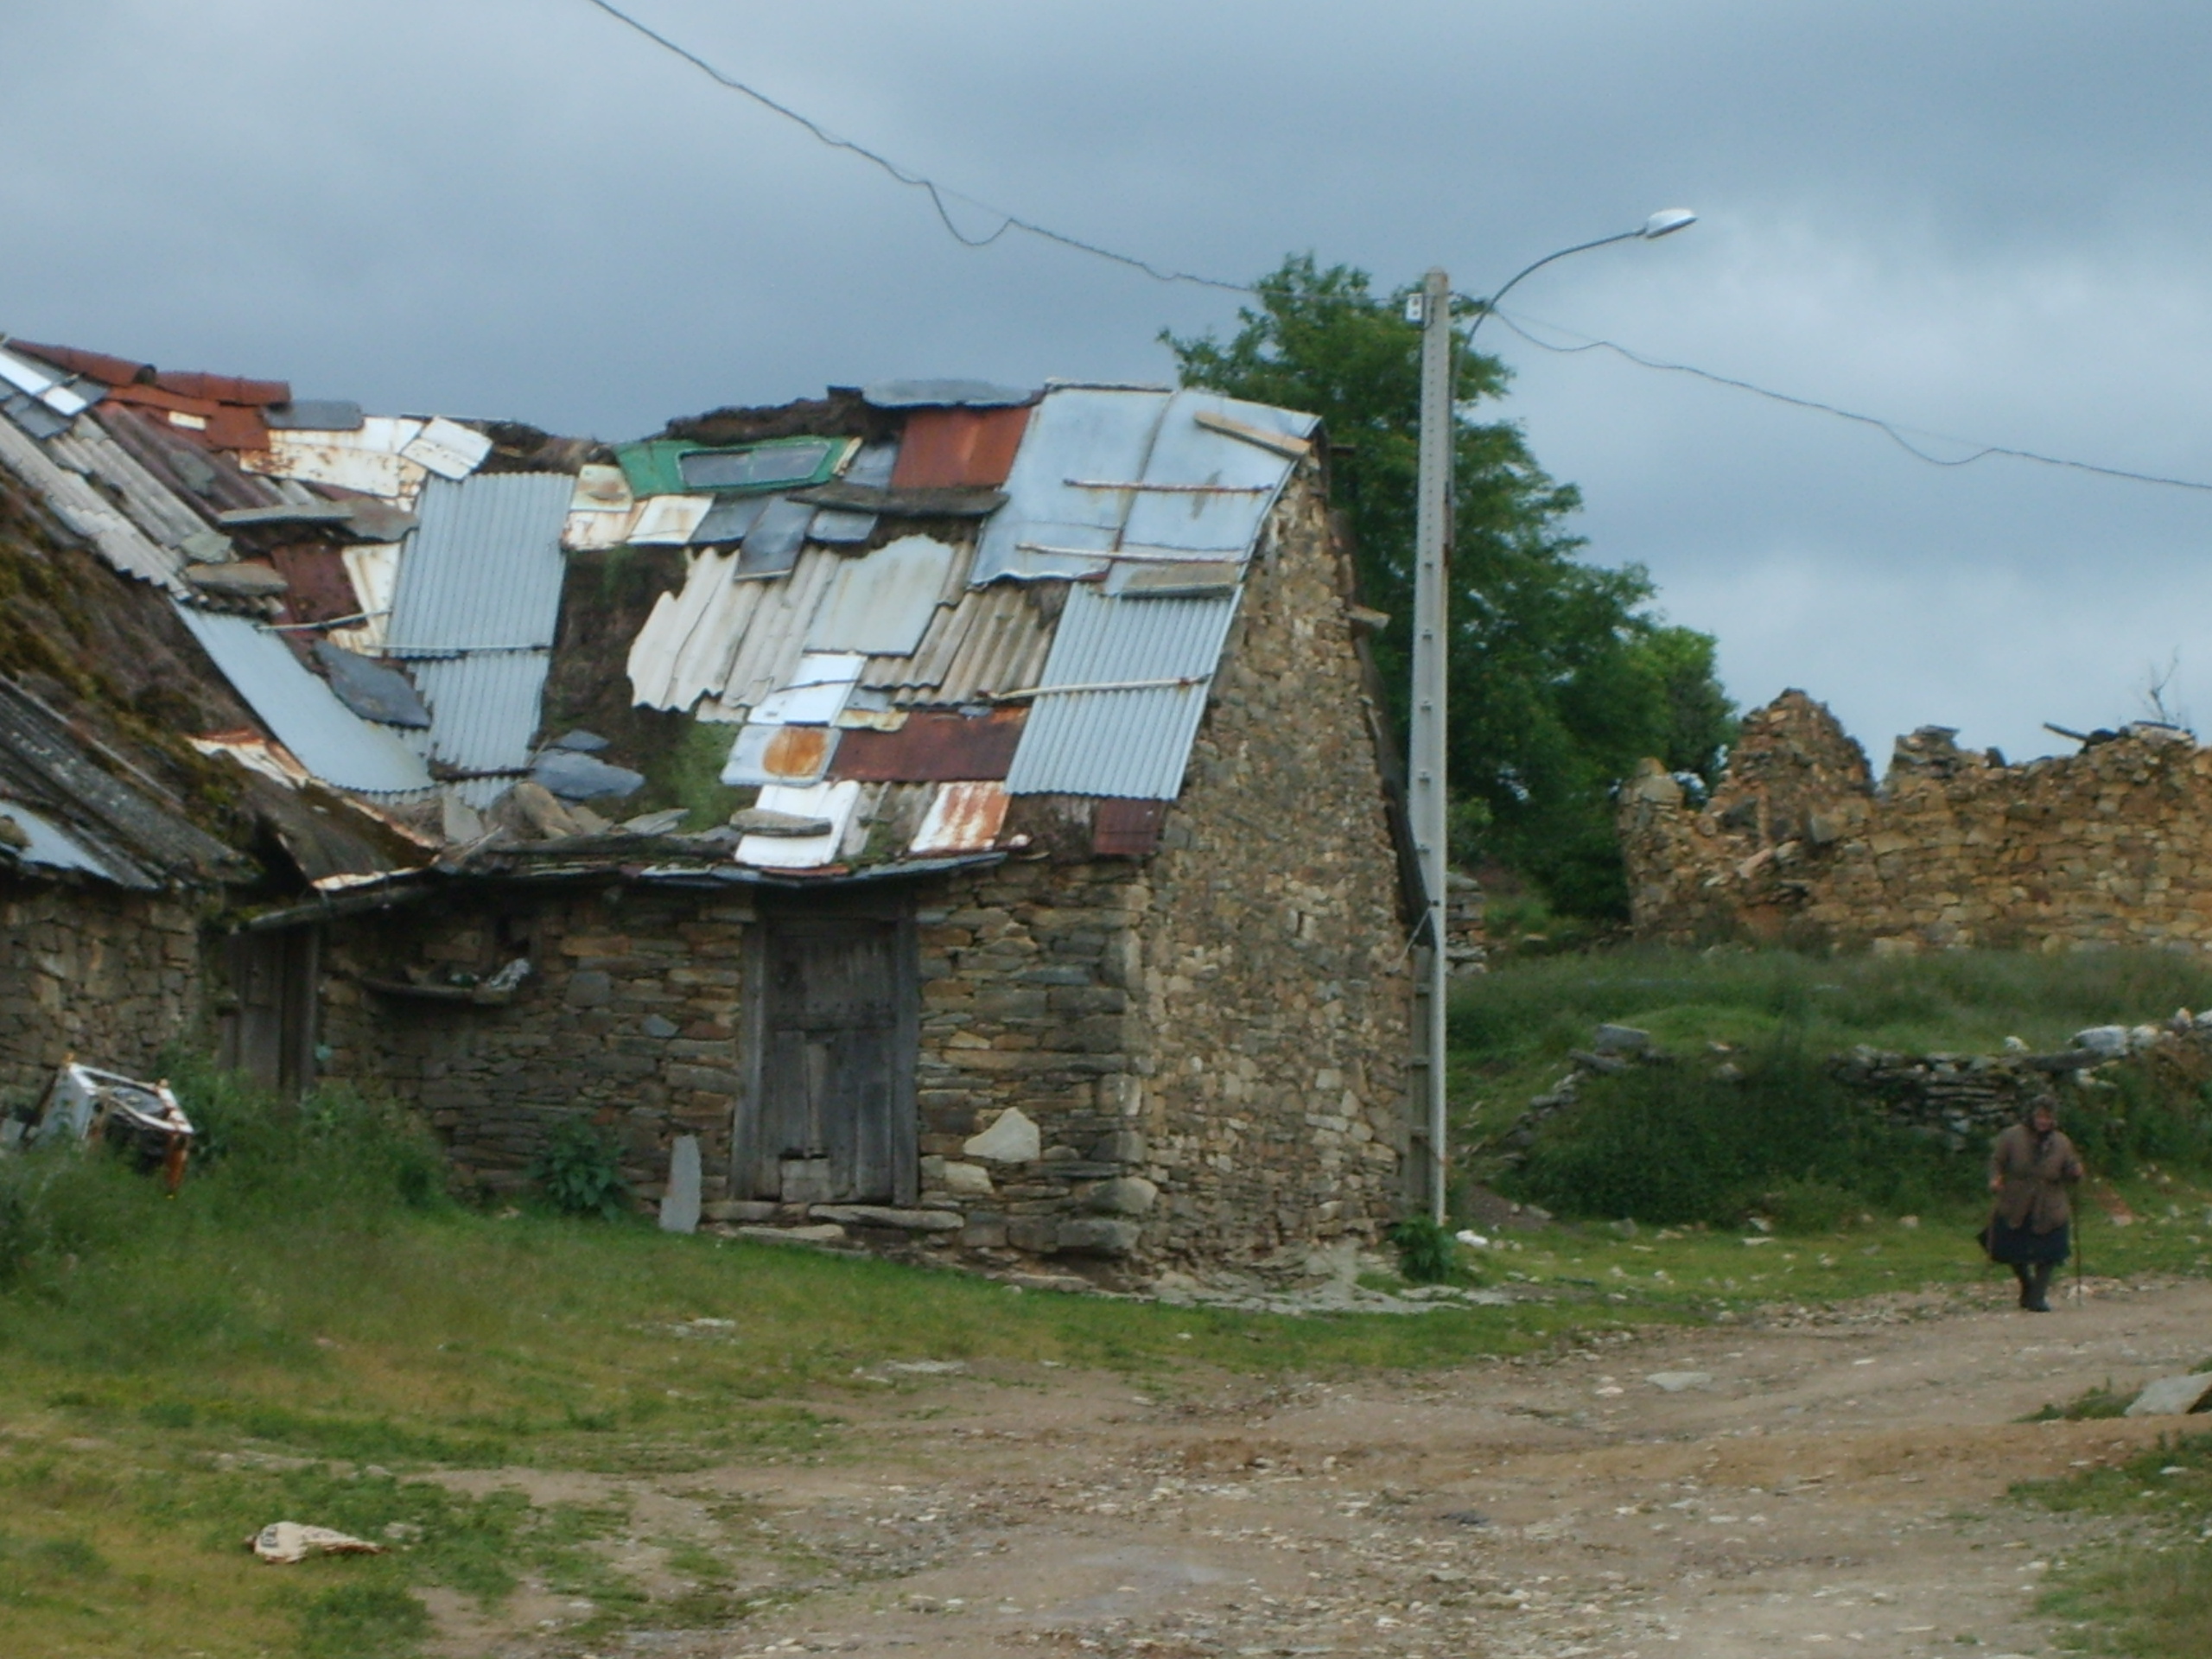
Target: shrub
{"type": "Point", "coordinates": [1426, 1255]}
{"type": "Point", "coordinates": [579, 1170]}
{"type": "Point", "coordinates": [1669, 1143]}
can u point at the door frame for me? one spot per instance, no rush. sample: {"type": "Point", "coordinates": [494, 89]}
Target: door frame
{"type": "Point", "coordinates": [894, 909]}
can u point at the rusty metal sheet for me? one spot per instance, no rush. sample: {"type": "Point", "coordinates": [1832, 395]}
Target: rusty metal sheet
{"type": "Point", "coordinates": [1122, 829]}
{"type": "Point", "coordinates": [109, 371]}
{"type": "Point", "coordinates": [223, 387]}
{"type": "Point", "coordinates": [945, 449]}
{"type": "Point", "coordinates": [965, 817]}
{"type": "Point", "coordinates": [933, 747]}
{"type": "Point", "coordinates": [882, 604]}
{"type": "Point", "coordinates": [795, 755]}
{"type": "Point", "coordinates": [366, 459]}
{"type": "Point", "coordinates": [321, 586]}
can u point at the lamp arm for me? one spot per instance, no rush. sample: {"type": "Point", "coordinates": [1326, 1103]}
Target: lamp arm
{"type": "Point", "coordinates": [1483, 308]}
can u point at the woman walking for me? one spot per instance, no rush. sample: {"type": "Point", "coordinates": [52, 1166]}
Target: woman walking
{"type": "Point", "coordinates": [2029, 1169]}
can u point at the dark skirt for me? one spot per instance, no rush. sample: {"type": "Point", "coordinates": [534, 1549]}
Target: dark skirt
{"type": "Point", "coordinates": [2026, 1247]}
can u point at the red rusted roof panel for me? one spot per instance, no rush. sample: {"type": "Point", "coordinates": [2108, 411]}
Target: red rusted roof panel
{"type": "Point", "coordinates": [234, 427]}
{"type": "Point", "coordinates": [1124, 828]}
{"type": "Point", "coordinates": [932, 747]}
{"type": "Point", "coordinates": [321, 591]}
{"type": "Point", "coordinates": [114, 371]}
{"type": "Point", "coordinates": [946, 447]}
{"type": "Point", "coordinates": [963, 818]}
{"type": "Point", "coordinates": [223, 387]}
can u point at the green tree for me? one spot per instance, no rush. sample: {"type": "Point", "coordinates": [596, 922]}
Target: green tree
{"type": "Point", "coordinates": [1562, 676]}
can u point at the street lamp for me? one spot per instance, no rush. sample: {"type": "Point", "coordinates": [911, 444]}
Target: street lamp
{"type": "Point", "coordinates": [1432, 309]}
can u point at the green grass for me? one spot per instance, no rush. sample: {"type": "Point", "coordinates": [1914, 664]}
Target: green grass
{"type": "Point", "coordinates": [2150, 1595]}
{"type": "Point", "coordinates": [1780, 1014]}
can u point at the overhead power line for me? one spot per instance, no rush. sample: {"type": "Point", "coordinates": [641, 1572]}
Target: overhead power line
{"type": "Point", "coordinates": [939, 194]}
{"type": "Point", "coordinates": [1896, 432]}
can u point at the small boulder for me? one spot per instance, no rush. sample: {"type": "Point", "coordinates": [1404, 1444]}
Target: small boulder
{"type": "Point", "coordinates": [1679, 1382]}
{"type": "Point", "coordinates": [2173, 1397]}
{"type": "Point", "coordinates": [1099, 1237]}
{"type": "Point", "coordinates": [1125, 1195]}
{"type": "Point", "coordinates": [1620, 1040]}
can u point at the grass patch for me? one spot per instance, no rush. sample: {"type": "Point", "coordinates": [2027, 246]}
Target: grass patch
{"type": "Point", "coordinates": [2103, 1401]}
{"type": "Point", "coordinates": [1680, 1145]}
{"type": "Point", "coordinates": [2148, 1597]}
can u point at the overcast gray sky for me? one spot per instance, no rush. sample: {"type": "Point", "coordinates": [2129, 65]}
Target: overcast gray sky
{"type": "Point", "coordinates": [1989, 219]}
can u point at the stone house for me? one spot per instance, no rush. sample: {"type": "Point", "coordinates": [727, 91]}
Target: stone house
{"type": "Point", "coordinates": [1003, 865]}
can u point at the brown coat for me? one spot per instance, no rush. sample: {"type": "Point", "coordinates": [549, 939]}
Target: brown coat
{"type": "Point", "coordinates": [2035, 1171]}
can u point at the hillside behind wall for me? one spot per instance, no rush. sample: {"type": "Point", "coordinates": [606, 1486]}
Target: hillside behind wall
{"type": "Point", "coordinates": [1798, 845]}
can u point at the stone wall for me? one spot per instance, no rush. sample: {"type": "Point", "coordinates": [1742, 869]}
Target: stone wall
{"type": "Point", "coordinates": [1209, 1043]}
{"type": "Point", "coordinates": [630, 1015]}
{"type": "Point", "coordinates": [1955, 848]}
{"type": "Point", "coordinates": [1276, 982]}
{"type": "Point", "coordinates": [109, 976]}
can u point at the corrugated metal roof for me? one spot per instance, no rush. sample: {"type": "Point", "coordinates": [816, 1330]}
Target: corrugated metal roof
{"type": "Point", "coordinates": [949, 448]}
{"type": "Point", "coordinates": [478, 603]}
{"type": "Point", "coordinates": [994, 639]}
{"type": "Point", "coordinates": [484, 708]}
{"type": "Point", "coordinates": [683, 651]}
{"type": "Point", "coordinates": [330, 740]}
{"type": "Point", "coordinates": [883, 603]}
{"type": "Point", "coordinates": [944, 394]}
{"type": "Point", "coordinates": [86, 511]}
{"type": "Point", "coordinates": [766, 654]}
{"type": "Point", "coordinates": [1075, 433]}
{"type": "Point", "coordinates": [1132, 742]}
{"type": "Point", "coordinates": [964, 817]}
{"type": "Point", "coordinates": [1240, 480]}
{"type": "Point", "coordinates": [484, 569]}
{"type": "Point", "coordinates": [153, 506]}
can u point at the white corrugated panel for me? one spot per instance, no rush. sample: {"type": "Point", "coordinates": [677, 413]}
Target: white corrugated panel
{"type": "Point", "coordinates": [1131, 735]}
{"type": "Point", "coordinates": [484, 708]}
{"type": "Point", "coordinates": [1076, 433]}
{"type": "Point", "coordinates": [683, 651]}
{"type": "Point", "coordinates": [448, 448]}
{"type": "Point", "coordinates": [768, 654]}
{"type": "Point", "coordinates": [86, 511]}
{"type": "Point", "coordinates": [303, 713]}
{"type": "Point", "coordinates": [374, 569]}
{"type": "Point", "coordinates": [882, 602]}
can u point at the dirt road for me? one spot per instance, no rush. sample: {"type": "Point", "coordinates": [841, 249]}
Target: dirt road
{"type": "Point", "coordinates": [1822, 1487]}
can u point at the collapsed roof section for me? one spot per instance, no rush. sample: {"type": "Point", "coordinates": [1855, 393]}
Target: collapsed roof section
{"type": "Point", "coordinates": [906, 607]}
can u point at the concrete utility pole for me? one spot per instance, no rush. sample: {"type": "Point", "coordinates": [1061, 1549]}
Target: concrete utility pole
{"type": "Point", "coordinates": [1432, 642]}
{"type": "Point", "coordinates": [1432, 309]}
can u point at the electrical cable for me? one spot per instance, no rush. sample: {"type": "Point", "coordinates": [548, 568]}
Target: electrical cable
{"type": "Point", "coordinates": [1895, 431]}
{"type": "Point", "coordinates": [938, 194]}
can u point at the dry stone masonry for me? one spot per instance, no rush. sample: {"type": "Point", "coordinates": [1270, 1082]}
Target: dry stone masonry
{"type": "Point", "coordinates": [1798, 844]}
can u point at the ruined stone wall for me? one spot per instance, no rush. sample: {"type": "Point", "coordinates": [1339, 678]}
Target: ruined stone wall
{"type": "Point", "coordinates": [1277, 985]}
{"type": "Point", "coordinates": [2110, 846]}
{"type": "Point", "coordinates": [109, 976]}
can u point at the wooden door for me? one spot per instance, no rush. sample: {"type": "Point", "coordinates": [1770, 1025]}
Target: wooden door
{"type": "Point", "coordinates": [268, 1033]}
{"type": "Point", "coordinates": [831, 1114]}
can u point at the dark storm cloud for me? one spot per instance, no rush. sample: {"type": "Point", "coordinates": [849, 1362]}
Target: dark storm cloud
{"type": "Point", "coordinates": [1991, 220]}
